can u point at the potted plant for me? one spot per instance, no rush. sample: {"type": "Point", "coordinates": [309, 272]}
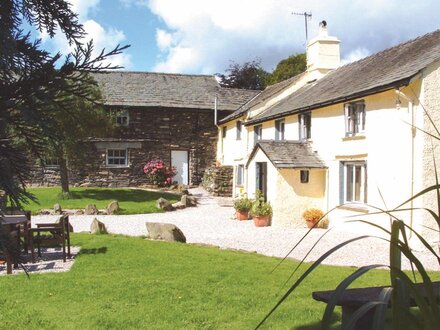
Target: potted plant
{"type": "Point", "coordinates": [312, 216]}
{"type": "Point", "coordinates": [261, 211]}
{"type": "Point", "coordinates": [242, 207]}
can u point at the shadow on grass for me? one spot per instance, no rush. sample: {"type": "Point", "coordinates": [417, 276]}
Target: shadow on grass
{"type": "Point", "coordinates": [101, 250]}
{"type": "Point", "coordinates": [317, 325]}
{"type": "Point", "coordinates": [121, 195]}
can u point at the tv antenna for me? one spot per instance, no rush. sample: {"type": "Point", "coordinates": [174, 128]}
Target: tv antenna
{"type": "Point", "coordinates": [307, 17]}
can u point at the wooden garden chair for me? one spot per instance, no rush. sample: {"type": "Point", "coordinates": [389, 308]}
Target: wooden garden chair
{"type": "Point", "coordinates": [51, 234]}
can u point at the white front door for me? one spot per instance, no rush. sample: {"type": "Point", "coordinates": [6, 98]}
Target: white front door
{"type": "Point", "coordinates": [179, 159]}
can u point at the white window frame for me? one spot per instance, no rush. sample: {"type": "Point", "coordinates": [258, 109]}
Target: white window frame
{"type": "Point", "coordinates": [305, 126]}
{"type": "Point", "coordinates": [51, 163]}
{"type": "Point", "coordinates": [119, 118]}
{"type": "Point", "coordinates": [351, 171]}
{"type": "Point", "coordinates": [280, 128]}
{"type": "Point", "coordinates": [258, 133]}
{"type": "Point", "coordinates": [355, 115]}
{"type": "Point", "coordinates": [238, 126]}
{"type": "Point", "coordinates": [239, 175]}
{"type": "Point", "coordinates": [109, 159]}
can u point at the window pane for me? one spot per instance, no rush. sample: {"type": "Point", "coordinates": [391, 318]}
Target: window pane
{"type": "Point", "coordinates": [349, 183]}
{"type": "Point", "coordinates": [358, 183]}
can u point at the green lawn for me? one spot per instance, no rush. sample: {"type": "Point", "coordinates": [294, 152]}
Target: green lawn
{"type": "Point", "coordinates": [131, 201]}
{"type": "Point", "coordinates": [120, 282]}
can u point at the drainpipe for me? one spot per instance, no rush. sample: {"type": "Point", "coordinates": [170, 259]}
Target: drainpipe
{"type": "Point", "coordinates": [413, 136]}
{"type": "Point", "coordinates": [215, 112]}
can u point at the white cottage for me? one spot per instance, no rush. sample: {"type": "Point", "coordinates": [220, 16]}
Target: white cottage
{"type": "Point", "coordinates": [359, 126]}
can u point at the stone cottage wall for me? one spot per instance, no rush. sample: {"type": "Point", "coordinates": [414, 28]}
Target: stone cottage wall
{"type": "Point", "coordinates": [218, 180]}
{"type": "Point", "coordinates": [152, 133]}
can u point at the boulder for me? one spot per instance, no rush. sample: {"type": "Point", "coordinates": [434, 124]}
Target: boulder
{"type": "Point", "coordinates": [79, 212]}
{"type": "Point", "coordinates": [165, 232]}
{"type": "Point", "coordinates": [57, 209]}
{"type": "Point", "coordinates": [178, 205]}
{"type": "Point", "coordinates": [191, 201]}
{"type": "Point", "coordinates": [97, 227]}
{"type": "Point", "coordinates": [91, 209]}
{"type": "Point", "coordinates": [113, 207]}
{"type": "Point", "coordinates": [163, 204]}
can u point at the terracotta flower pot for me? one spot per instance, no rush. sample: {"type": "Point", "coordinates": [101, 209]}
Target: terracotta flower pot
{"type": "Point", "coordinates": [310, 223]}
{"type": "Point", "coordinates": [242, 215]}
{"type": "Point", "coordinates": [261, 221]}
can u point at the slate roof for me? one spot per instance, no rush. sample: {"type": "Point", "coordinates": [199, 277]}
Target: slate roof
{"type": "Point", "coordinates": [267, 93]}
{"type": "Point", "coordinates": [124, 88]}
{"type": "Point", "coordinates": [288, 154]}
{"type": "Point", "coordinates": [391, 68]}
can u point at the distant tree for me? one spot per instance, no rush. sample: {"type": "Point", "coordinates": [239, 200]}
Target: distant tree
{"type": "Point", "coordinates": [249, 75]}
{"type": "Point", "coordinates": [287, 68]}
{"type": "Point", "coordinates": [36, 89]}
{"type": "Point", "coordinates": [72, 147]}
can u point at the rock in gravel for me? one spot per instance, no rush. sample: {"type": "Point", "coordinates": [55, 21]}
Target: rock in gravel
{"type": "Point", "coordinates": [79, 212]}
{"type": "Point", "coordinates": [179, 205]}
{"type": "Point", "coordinates": [164, 204]}
{"type": "Point", "coordinates": [113, 208]}
{"type": "Point", "coordinates": [57, 209]}
{"type": "Point", "coordinates": [165, 232]}
{"type": "Point", "coordinates": [91, 209]}
{"type": "Point", "coordinates": [191, 201]}
{"type": "Point", "coordinates": [97, 227]}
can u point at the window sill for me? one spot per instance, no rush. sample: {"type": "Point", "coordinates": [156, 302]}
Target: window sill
{"type": "Point", "coordinates": [362, 208]}
{"type": "Point", "coordinates": [117, 166]}
{"type": "Point", "coordinates": [354, 137]}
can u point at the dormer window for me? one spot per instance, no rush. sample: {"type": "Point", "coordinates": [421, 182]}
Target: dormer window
{"type": "Point", "coordinates": [354, 118]}
{"type": "Point", "coordinates": [122, 118]}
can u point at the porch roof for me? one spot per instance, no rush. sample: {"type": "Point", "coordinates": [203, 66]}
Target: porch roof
{"type": "Point", "coordinates": [288, 154]}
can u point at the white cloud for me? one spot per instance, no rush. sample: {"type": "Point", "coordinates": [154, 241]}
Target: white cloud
{"type": "Point", "coordinates": [102, 37]}
{"type": "Point", "coordinates": [206, 35]}
{"type": "Point", "coordinates": [355, 55]}
{"type": "Point", "coordinates": [163, 39]}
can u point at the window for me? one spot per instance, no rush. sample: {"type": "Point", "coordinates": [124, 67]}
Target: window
{"type": "Point", "coordinates": [238, 126]}
{"type": "Point", "coordinates": [279, 129]}
{"type": "Point", "coordinates": [258, 133]}
{"type": "Point", "coordinates": [304, 174]}
{"type": "Point", "coordinates": [50, 162]}
{"type": "Point", "coordinates": [305, 126]}
{"type": "Point", "coordinates": [224, 130]}
{"type": "Point", "coordinates": [354, 182]}
{"type": "Point", "coordinates": [239, 175]}
{"type": "Point", "coordinates": [354, 118]}
{"type": "Point", "coordinates": [121, 118]}
{"type": "Point", "coordinates": [117, 157]}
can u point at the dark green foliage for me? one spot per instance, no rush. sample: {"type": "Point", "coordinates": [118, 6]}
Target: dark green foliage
{"type": "Point", "coordinates": [249, 75]}
{"type": "Point", "coordinates": [287, 68]}
{"type": "Point", "coordinates": [35, 88]}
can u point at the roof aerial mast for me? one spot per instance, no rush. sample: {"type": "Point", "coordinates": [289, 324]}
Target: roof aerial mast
{"type": "Point", "coordinates": [307, 17]}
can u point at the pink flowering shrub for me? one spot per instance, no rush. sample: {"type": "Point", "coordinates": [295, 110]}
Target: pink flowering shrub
{"type": "Point", "coordinates": [160, 174]}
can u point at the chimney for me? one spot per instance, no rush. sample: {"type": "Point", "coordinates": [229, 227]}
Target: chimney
{"type": "Point", "coordinates": [323, 53]}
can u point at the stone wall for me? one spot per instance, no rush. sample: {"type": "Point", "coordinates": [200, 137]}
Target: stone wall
{"type": "Point", "coordinates": [152, 133]}
{"type": "Point", "coordinates": [218, 180]}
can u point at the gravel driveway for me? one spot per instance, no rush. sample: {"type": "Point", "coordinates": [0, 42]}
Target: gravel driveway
{"type": "Point", "coordinates": [212, 224]}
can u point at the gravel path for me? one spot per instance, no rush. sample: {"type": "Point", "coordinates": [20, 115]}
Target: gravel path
{"type": "Point", "coordinates": [212, 224]}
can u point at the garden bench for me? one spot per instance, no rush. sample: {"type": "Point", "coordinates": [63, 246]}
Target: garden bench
{"type": "Point", "coordinates": [352, 299]}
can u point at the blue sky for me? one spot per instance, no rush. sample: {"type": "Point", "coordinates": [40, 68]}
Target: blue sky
{"type": "Point", "coordinates": [203, 36]}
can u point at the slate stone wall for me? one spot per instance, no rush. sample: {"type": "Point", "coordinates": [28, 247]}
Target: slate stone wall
{"type": "Point", "coordinates": [218, 180]}
{"type": "Point", "coordinates": [151, 133]}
